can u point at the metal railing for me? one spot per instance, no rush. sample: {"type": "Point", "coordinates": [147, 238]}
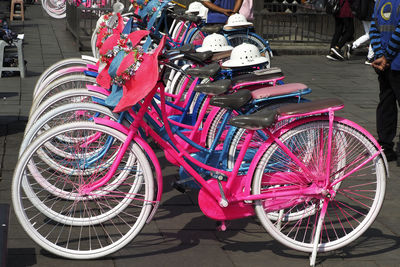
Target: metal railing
{"type": "Point", "coordinates": [296, 23]}
{"type": "Point", "coordinates": [277, 22]}
{"type": "Point", "coordinates": [294, 27]}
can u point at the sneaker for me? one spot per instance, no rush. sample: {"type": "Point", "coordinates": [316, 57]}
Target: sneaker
{"type": "Point", "coordinates": [333, 56]}
{"type": "Point", "coordinates": [337, 52]}
{"type": "Point", "coordinates": [348, 48]}
{"type": "Point", "coordinates": [368, 61]}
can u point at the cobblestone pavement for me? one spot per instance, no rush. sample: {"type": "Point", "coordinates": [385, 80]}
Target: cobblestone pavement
{"type": "Point", "coordinates": [180, 235]}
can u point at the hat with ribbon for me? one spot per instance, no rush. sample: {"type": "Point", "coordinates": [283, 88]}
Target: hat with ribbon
{"type": "Point", "coordinates": [136, 79]}
{"type": "Point", "coordinates": [112, 46]}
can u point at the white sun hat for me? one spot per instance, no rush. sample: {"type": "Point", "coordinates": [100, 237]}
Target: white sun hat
{"type": "Point", "coordinates": [245, 55]}
{"type": "Point", "coordinates": [237, 20]}
{"type": "Point", "coordinates": [214, 43]}
{"type": "Point", "coordinates": [194, 7]}
{"type": "Point", "coordinates": [203, 12]}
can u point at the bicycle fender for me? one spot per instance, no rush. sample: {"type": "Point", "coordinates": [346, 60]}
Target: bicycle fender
{"type": "Point", "coordinates": [91, 73]}
{"type": "Point", "coordinates": [153, 158]}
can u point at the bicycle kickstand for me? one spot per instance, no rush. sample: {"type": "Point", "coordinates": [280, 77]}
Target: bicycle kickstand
{"type": "Point", "coordinates": [313, 256]}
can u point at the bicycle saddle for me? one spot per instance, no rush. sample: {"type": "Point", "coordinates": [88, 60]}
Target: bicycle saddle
{"type": "Point", "coordinates": [221, 55]}
{"type": "Point", "coordinates": [204, 72]}
{"type": "Point", "coordinates": [309, 107]}
{"type": "Point", "coordinates": [284, 89]}
{"type": "Point", "coordinates": [199, 57]}
{"type": "Point", "coordinates": [186, 48]}
{"type": "Point", "coordinates": [214, 88]}
{"type": "Point", "coordinates": [233, 101]}
{"type": "Point", "coordinates": [187, 17]}
{"type": "Point", "coordinates": [192, 18]}
{"type": "Point", "coordinates": [251, 78]}
{"type": "Point", "coordinates": [209, 29]}
{"type": "Point", "coordinates": [258, 76]}
{"type": "Point", "coordinates": [259, 120]}
{"type": "Point", "coordinates": [265, 118]}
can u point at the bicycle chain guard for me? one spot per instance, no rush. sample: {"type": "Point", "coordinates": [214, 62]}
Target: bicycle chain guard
{"type": "Point", "coordinates": [213, 210]}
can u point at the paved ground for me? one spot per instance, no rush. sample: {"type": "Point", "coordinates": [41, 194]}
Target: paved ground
{"type": "Point", "coordinates": [180, 235]}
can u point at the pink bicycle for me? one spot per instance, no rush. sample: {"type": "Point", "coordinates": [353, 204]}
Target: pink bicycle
{"type": "Point", "coordinates": [86, 189]}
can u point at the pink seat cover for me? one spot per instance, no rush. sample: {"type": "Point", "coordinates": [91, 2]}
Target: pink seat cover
{"type": "Point", "coordinates": [277, 90]}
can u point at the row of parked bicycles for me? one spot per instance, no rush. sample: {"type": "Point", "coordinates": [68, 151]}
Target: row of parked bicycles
{"type": "Point", "coordinates": [88, 180]}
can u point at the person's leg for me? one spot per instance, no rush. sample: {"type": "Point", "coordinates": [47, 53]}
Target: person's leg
{"type": "Point", "coordinates": [348, 32]}
{"type": "Point", "coordinates": [363, 38]}
{"type": "Point", "coordinates": [394, 80]}
{"type": "Point", "coordinates": [386, 114]}
{"type": "Point", "coordinates": [338, 32]}
{"type": "Point", "coordinates": [334, 52]}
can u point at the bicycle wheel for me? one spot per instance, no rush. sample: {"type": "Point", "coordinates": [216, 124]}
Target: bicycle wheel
{"type": "Point", "coordinates": [93, 41]}
{"type": "Point", "coordinates": [179, 31]}
{"type": "Point", "coordinates": [61, 85]}
{"type": "Point", "coordinates": [89, 225]}
{"type": "Point", "coordinates": [215, 125]}
{"type": "Point", "coordinates": [69, 71]}
{"type": "Point", "coordinates": [196, 37]}
{"type": "Point", "coordinates": [70, 96]}
{"type": "Point", "coordinates": [69, 62]}
{"type": "Point", "coordinates": [67, 113]}
{"type": "Point", "coordinates": [59, 116]}
{"type": "Point", "coordinates": [55, 8]}
{"type": "Point", "coordinates": [352, 205]}
{"type": "Point", "coordinates": [176, 84]}
{"type": "Point", "coordinates": [235, 39]}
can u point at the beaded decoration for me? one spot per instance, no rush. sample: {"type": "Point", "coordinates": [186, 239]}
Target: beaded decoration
{"type": "Point", "coordinates": [123, 44]}
{"type": "Point", "coordinates": [103, 31]}
{"type": "Point", "coordinates": [136, 58]}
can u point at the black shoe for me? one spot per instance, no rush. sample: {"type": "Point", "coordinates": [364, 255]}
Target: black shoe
{"type": "Point", "coordinates": [347, 51]}
{"type": "Point", "coordinates": [333, 56]}
{"type": "Point", "coordinates": [390, 154]}
{"type": "Point", "coordinates": [337, 52]}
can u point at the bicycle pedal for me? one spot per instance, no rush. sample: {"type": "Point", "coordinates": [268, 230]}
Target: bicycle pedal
{"type": "Point", "coordinates": [178, 187]}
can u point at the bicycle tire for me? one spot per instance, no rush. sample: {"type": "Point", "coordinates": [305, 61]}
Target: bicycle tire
{"type": "Point", "coordinates": [60, 116]}
{"type": "Point", "coordinates": [54, 8]}
{"type": "Point", "coordinates": [68, 62]}
{"type": "Point", "coordinates": [81, 95]}
{"type": "Point", "coordinates": [196, 37]}
{"type": "Point", "coordinates": [351, 209]}
{"type": "Point", "coordinates": [65, 114]}
{"type": "Point", "coordinates": [60, 85]}
{"type": "Point", "coordinates": [76, 239]}
{"type": "Point", "coordinates": [69, 71]}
